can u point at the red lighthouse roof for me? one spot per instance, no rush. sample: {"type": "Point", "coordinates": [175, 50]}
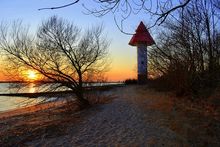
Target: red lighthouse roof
{"type": "Point", "coordinates": [142, 36]}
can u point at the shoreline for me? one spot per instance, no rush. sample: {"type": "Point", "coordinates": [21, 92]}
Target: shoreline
{"type": "Point", "coordinates": [46, 105]}
{"type": "Point", "coordinates": [54, 93]}
{"type": "Point", "coordinates": [31, 109]}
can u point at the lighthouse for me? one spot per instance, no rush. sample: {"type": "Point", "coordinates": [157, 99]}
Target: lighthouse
{"type": "Point", "coordinates": [141, 39]}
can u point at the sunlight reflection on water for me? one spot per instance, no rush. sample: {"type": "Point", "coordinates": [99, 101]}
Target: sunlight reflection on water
{"type": "Point", "coordinates": [32, 88]}
{"type": "Point", "coordinates": [9, 103]}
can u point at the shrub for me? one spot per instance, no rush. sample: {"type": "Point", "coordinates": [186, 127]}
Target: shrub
{"type": "Point", "coordinates": [130, 81]}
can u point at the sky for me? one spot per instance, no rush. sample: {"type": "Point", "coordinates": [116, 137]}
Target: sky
{"type": "Point", "coordinates": [123, 56]}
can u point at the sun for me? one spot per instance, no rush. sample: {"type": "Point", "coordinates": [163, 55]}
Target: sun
{"type": "Point", "coordinates": [32, 75]}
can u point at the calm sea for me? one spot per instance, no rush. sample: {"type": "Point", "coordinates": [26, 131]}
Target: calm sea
{"type": "Point", "coordinates": [9, 102]}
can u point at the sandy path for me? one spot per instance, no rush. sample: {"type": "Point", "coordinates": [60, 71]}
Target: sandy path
{"type": "Point", "coordinates": [122, 122]}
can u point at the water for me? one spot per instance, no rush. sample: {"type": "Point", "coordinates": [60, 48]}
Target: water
{"type": "Point", "coordinates": [9, 103]}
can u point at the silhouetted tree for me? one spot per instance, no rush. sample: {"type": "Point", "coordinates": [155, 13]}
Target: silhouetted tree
{"type": "Point", "coordinates": [59, 51]}
{"type": "Point", "coordinates": [188, 51]}
{"type": "Point", "coordinates": [158, 8]}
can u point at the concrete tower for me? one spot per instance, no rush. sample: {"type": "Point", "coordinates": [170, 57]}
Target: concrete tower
{"type": "Point", "coordinates": [142, 39]}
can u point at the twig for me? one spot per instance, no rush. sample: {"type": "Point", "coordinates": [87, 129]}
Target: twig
{"type": "Point", "coordinates": [59, 7]}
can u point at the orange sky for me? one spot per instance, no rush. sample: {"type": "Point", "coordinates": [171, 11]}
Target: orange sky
{"type": "Point", "coordinates": [123, 64]}
{"type": "Point", "coordinates": [123, 59]}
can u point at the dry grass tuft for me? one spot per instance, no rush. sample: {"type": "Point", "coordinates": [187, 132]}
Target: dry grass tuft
{"type": "Point", "coordinates": [97, 97]}
{"type": "Point", "coordinates": [196, 121]}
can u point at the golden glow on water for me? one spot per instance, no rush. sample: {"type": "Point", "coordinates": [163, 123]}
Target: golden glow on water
{"type": "Point", "coordinates": [10, 103]}
{"type": "Point", "coordinates": [32, 88]}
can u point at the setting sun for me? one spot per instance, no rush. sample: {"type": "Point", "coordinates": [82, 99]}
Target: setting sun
{"type": "Point", "coordinates": [32, 75]}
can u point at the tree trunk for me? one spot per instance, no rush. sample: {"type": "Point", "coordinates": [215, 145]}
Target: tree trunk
{"type": "Point", "coordinates": [210, 50]}
{"type": "Point", "coordinates": [83, 103]}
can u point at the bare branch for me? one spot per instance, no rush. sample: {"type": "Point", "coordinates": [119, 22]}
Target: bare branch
{"type": "Point", "coordinates": [164, 15]}
{"type": "Point", "coordinates": [59, 7]}
{"type": "Point", "coordinates": [127, 8]}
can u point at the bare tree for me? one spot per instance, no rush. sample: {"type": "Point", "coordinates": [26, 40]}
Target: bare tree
{"type": "Point", "coordinates": [188, 48]}
{"type": "Point", "coordinates": [160, 9]}
{"type": "Point", "coordinates": [123, 9]}
{"type": "Point", "coordinates": [60, 52]}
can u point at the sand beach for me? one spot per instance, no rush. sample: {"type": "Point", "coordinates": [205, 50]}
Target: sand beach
{"type": "Point", "coordinates": [136, 116]}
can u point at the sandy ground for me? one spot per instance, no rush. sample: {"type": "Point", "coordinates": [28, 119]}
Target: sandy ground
{"type": "Point", "coordinates": [136, 117]}
{"type": "Point", "coordinates": [120, 123]}
{"type": "Point", "coordinates": [30, 109]}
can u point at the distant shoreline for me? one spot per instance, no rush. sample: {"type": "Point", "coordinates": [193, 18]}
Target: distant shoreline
{"type": "Point", "coordinates": [52, 93]}
{"type": "Point", "coordinates": [35, 95]}
{"type": "Point", "coordinates": [54, 82]}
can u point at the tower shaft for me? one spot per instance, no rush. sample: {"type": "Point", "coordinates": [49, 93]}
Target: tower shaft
{"type": "Point", "coordinates": [142, 63]}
